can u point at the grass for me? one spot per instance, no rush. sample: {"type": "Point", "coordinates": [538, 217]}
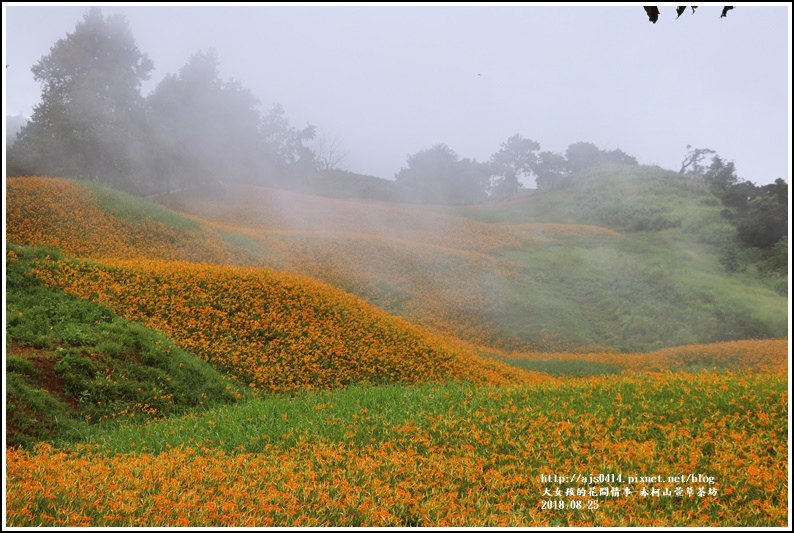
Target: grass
{"type": "Point", "coordinates": [72, 363]}
{"type": "Point", "coordinates": [577, 369]}
{"type": "Point", "coordinates": [361, 415]}
{"type": "Point", "coordinates": [624, 198]}
{"type": "Point", "coordinates": [440, 454]}
{"type": "Point", "coordinates": [637, 295]}
{"type": "Point", "coordinates": [133, 209]}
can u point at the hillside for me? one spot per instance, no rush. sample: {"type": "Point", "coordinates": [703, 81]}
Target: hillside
{"type": "Point", "coordinates": [624, 258]}
{"type": "Point", "coordinates": [534, 274]}
{"type": "Point", "coordinates": [274, 331]}
{"type": "Point", "coordinates": [71, 363]}
{"type": "Point", "coordinates": [386, 364]}
{"type": "Point", "coordinates": [624, 198]}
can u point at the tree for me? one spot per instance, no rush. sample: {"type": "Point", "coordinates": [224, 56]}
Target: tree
{"type": "Point", "coordinates": [286, 147]}
{"type": "Point", "coordinates": [582, 155]}
{"type": "Point", "coordinates": [550, 169]}
{"type": "Point", "coordinates": [516, 158]}
{"type": "Point", "coordinates": [760, 216]}
{"type": "Point", "coordinates": [328, 151]}
{"type": "Point", "coordinates": [428, 171]}
{"type": "Point", "coordinates": [205, 129]}
{"type": "Point", "coordinates": [13, 125]}
{"type": "Point", "coordinates": [736, 196]}
{"type": "Point", "coordinates": [618, 157]}
{"type": "Point", "coordinates": [89, 121]}
{"type": "Point", "coordinates": [438, 175]}
{"type": "Point", "coordinates": [471, 182]}
{"type": "Point", "coordinates": [691, 163]}
{"type": "Point", "coordinates": [759, 213]}
{"type": "Point", "coordinates": [721, 176]}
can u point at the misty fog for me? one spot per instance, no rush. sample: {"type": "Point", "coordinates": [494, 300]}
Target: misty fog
{"type": "Point", "coordinates": [345, 143]}
{"type": "Point", "coordinates": [384, 82]}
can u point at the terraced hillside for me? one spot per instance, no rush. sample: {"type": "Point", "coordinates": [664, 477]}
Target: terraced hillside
{"type": "Point", "coordinates": [534, 274]}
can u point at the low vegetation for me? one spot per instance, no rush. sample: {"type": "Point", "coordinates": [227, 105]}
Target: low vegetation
{"type": "Point", "coordinates": [434, 455]}
{"type": "Point", "coordinates": [71, 363]}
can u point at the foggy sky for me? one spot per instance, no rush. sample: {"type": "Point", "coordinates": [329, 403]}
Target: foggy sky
{"type": "Point", "coordinates": [387, 81]}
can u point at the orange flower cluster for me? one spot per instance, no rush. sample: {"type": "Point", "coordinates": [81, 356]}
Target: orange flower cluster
{"type": "Point", "coordinates": [767, 355]}
{"type": "Point", "coordinates": [479, 464]}
{"type": "Point", "coordinates": [449, 290]}
{"type": "Point", "coordinates": [64, 214]}
{"type": "Point", "coordinates": [476, 463]}
{"type": "Point", "coordinates": [276, 331]}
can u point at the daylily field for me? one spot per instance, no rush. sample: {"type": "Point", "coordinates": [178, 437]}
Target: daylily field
{"type": "Point", "coordinates": [390, 378]}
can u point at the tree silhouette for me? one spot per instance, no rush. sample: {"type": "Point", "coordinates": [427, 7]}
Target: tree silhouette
{"type": "Point", "coordinates": [653, 12]}
{"type": "Point", "coordinates": [89, 121]}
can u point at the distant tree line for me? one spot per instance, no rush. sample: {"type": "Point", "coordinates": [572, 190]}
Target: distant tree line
{"type": "Point", "coordinates": [193, 130]}
{"type": "Point", "coordinates": [196, 130]}
{"type": "Point", "coordinates": [439, 175]}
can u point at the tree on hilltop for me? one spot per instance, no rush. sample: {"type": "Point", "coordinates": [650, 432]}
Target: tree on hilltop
{"type": "Point", "coordinates": [516, 158]}
{"type": "Point", "coordinates": [329, 151]}
{"type": "Point", "coordinates": [581, 155]}
{"type": "Point", "coordinates": [691, 163]}
{"type": "Point", "coordinates": [205, 129]}
{"type": "Point", "coordinates": [439, 175]}
{"type": "Point", "coordinates": [550, 169]}
{"type": "Point", "coordinates": [90, 118]}
{"type": "Point", "coordinates": [287, 145]}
